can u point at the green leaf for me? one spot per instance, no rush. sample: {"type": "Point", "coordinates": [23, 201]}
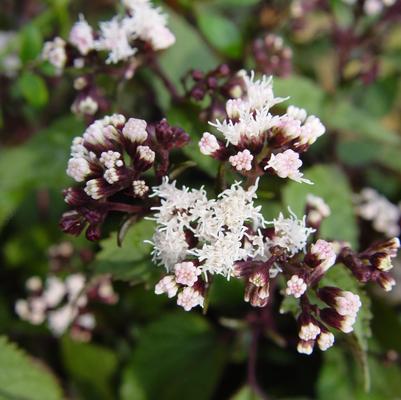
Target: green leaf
{"type": "Point", "coordinates": [222, 33]}
{"type": "Point", "coordinates": [34, 89]}
{"type": "Point", "coordinates": [302, 92]}
{"type": "Point", "coordinates": [24, 378]}
{"type": "Point", "coordinates": [189, 52]}
{"type": "Point", "coordinates": [131, 388]}
{"type": "Point", "coordinates": [91, 366]}
{"type": "Point", "coordinates": [331, 184]}
{"type": "Point", "coordinates": [179, 357]}
{"type": "Point", "coordinates": [246, 393]}
{"type": "Point", "coordinates": [31, 43]}
{"type": "Point", "coordinates": [131, 261]}
{"type": "Point", "coordinates": [41, 162]}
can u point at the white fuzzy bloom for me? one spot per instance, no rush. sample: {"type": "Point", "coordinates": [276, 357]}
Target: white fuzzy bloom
{"type": "Point", "coordinates": [34, 283]}
{"type": "Point", "coordinates": [385, 216]}
{"type": "Point", "coordinates": [60, 319]}
{"type": "Point", "coordinates": [54, 52]}
{"type": "Point", "coordinates": [86, 321]}
{"type": "Point", "coordinates": [309, 331]}
{"type": "Point", "coordinates": [325, 340]}
{"type": "Point", "coordinates": [297, 113]}
{"type": "Point", "coordinates": [75, 284]}
{"type": "Point", "coordinates": [54, 292]}
{"type": "Point", "coordinates": [286, 165]}
{"type": "Point", "coordinates": [94, 133]}
{"type": "Point", "coordinates": [167, 285]}
{"type": "Point", "coordinates": [186, 273]}
{"type": "Point", "coordinates": [218, 225]}
{"type": "Point", "coordinates": [135, 130]}
{"type": "Point", "coordinates": [148, 23]}
{"type": "Point", "coordinates": [311, 130]}
{"type": "Point", "coordinates": [81, 36]}
{"type": "Point", "coordinates": [296, 287]}
{"type": "Point", "coordinates": [319, 205]}
{"type": "Point", "coordinates": [291, 233]}
{"type": "Point", "coordinates": [242, 161]}
{"type": "Point", "coordinates": [86, 106]}
{"type": "Point", "coordinates": [189, 298]}
{"type": "Point", "coordinates": [208, 144]}
{"type": "Point", "coordinates": [373, 7]}
{"type": "Point", "coordinates": [114, 38]}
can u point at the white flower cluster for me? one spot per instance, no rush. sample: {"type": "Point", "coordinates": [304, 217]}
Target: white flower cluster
{"type": "Point", "coordinates": [142, 21]}
{"type": "Point", "coordinates": [385, 216]}
{"type": "Point", "coordinates": [291, 233]}
{"type": "Point", "coordinates": [62, 303]}
{"type": "Point", "coordinates": [373, 7]}
{"type": "Point", "coordinates": [225, 229]}
{"type": "Point", "coordinates": [250, 120]}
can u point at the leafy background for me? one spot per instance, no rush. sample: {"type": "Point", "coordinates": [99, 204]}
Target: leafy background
{"type": "Point", "coordinates": [144, 348]}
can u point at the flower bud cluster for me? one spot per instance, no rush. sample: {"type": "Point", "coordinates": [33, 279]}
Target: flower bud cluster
{"type": "Point", "coordinates": [142, 28]}
{"type": "Point", "coordinates": [373, 7]}
{"type": "Point", "coordinates": [374, 263]}
{"type": "Point", "coordinates": [384, 215]}
{"type": "Point", "coordinates": [272, 56]}
{"type": "Point", "coordinates": [65, 303]}
{"type": "Point", "coordinates": [254, 140]}
{"type": "Point", "coordinates": [109, 159]}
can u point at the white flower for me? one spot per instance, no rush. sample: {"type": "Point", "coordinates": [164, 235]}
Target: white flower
{"type": "Point", "coordinates": [297, 113]}
{"type": "Point", "coordinates": [140, 188]}
{"type": "Point", "coordinates": [208, 144]}
{"type": "Point", "coordinates": [81, 36]}
{"type": "Point", "coordinates": [325, 340]}
{"type": "Point", "coordinates": [319, 208]}
{"type": "Point", "coordinates": [186, 273]}
{"type": "Point", "coordinates": [60, 319]}
{"type": "Point", "coordinates": [54, 292]}
{"type": "Point", "coordinates": [305, 347]}
{"type": "Point", "coordinates": [167, 285]}
{"type": "Point", "coordinates": [309, 331]}
{"type": "Point", "coordinates": [114, 37]}
{"type": "Point", "coordinates": [324, 251]}
{"type": "Point", "coordinates": [372, 206]}
{"type": "Point", "coordinates": [86, 106]}
{"type": "Point", "coordinates": [291, 233]}
{"type": "Point", "coordinates": [311, 130]}
{"type": "Point", "coordinates": [135, 130]}
{"type": "Point", "coordinates": [296, 287]}
{"type": "Point", "coordinates": [348, 304]}
{"type": "Point", "coordinates": [286, 165]}
{"type": "Point", "coordinates": [189, 298]}
{"type": "Point", "coordinates": [242, 161]}
{"type": "Point", "coordinates": [54, 52]}
{"type": "Point", "coordinates": [78, 168]}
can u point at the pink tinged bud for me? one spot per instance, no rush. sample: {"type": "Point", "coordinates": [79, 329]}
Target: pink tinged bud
{"type": "Point", "coordinates": [325, 340]}
{"type": "Point", "coordinates": [386, 281]}
{"type": "Point", "coordinates": [242, 161]}
{"type": "Point", "coordinates": [296, 287]}
{"type": "Point", "coordinates": [81, 36]}
{"type": "Point", "coordinates": [325, 254]}
{"type": "Point", "coordinates": [305, 347]}
{"type": "Point", "coordinates": [208, 144]}
{"type": "Point", "coordinates": [344, 302]}
{"type": "Point", "coordinates": [144, 158]}
{"type": "Point", "coordinates": [286, 165]}
{"type": "Point", "coordinates": [389, 247]}
{"type": "Point", "coordinates": [333, 318]}
{"type": "Point", "coordinates": [135, 130]}
{"type": "Point", "coordinates": [189, 298]}
{"type": "Point", "coordinates": [186, 273]}
{"type": "Point", "coordinates": [167, 285]}
{"type": "Point", "coordinates": [382, 261]}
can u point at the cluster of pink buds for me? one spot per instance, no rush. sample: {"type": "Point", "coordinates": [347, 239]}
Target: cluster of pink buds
{"type": "Point", "coordinates": [108, 162]}
{"type": "Point", "coordinates": [65, 303]}
{"type": "Point", "coordinates": [254, 141]}
{"type": "Point", "coordinates": [185, 282]}
{"type": "Point", "coordinates": [272, 56]}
